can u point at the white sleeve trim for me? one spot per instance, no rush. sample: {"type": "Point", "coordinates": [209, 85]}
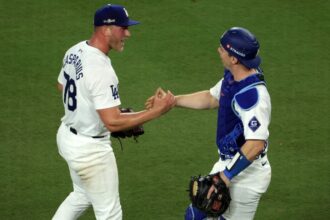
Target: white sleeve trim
{"type": "Point", "coordinates": [215, 90]}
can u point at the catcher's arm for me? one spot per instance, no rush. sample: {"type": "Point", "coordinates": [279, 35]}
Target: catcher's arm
{"type": "Point", "coordinates": [198, 100]}
{"type": "Point", "coordinates": [248, 153]}
{"type": "Point", "coordinates": [252, 148]}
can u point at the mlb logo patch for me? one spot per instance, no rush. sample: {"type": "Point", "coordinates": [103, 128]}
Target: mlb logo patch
{"type": "Point", "coordinates": [254, 124]}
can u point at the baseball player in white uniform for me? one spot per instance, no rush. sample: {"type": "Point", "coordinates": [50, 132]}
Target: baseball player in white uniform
{"type": "Point", "coordinates": [244, 110]}
{"type": "Point", "coordinates": [91, 100]}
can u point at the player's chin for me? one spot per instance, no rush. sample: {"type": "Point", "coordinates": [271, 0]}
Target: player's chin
{"type": "Point", "coordinates": [119, 48]}
{"type": "Point", "coordinates": [121, 45]}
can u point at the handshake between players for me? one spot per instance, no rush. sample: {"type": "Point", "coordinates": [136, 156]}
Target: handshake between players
{"type": "Point", "coordinates": [162, 100]}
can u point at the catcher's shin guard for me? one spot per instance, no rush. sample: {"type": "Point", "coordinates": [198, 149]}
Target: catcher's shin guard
{"type": "Point", "coordinates": [193, 213]}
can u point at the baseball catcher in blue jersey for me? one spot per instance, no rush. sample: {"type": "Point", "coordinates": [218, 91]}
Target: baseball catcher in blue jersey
{"type": "Point", "coordinates": [244, 110]}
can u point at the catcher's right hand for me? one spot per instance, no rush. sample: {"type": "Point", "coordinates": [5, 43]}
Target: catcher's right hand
{"type": "Point", "coordinates": [209, 194]}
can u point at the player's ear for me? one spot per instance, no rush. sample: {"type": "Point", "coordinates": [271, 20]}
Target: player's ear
{"type": "Point", "coordinates": [106, 30]}
{"type": "Point", "coordinates": [234, 60]}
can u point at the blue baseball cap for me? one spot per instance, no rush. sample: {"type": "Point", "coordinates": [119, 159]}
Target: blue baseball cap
{"type": "Point", "coordinates": [242, 44]}
{"type": "Point", "coordinates": [113, 15]}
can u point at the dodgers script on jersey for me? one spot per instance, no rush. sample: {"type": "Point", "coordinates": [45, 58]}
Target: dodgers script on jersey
{"type": "Point", "coordinates": [89, 83]}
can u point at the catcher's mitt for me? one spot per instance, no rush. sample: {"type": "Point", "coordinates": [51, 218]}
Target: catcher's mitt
{"type": "Point", "coordinates": [219, 200]}
{"type": "Point", "coordinates": [133, 132]}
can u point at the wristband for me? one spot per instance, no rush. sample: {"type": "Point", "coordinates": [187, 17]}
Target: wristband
{"type": "Point", "coordinates": [236, 165]}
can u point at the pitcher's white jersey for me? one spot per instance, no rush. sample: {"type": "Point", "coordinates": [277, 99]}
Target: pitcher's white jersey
{"type": "Point", "coordinates": [89, 83]}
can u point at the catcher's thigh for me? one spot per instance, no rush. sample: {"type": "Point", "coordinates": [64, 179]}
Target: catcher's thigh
{"type": "Point", "coordinates": [246, 188]}
{"type": "Point", "coordinates": [243, 205]}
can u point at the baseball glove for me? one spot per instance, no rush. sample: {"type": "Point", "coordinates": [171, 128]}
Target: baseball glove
{"type": "Point", "coordinates": [133, 132]}
{"type": "Point", "coordinates": [219, 200]}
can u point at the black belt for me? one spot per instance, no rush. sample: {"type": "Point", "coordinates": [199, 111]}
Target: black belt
{"type": "Point", "coordinates": [74, 131]}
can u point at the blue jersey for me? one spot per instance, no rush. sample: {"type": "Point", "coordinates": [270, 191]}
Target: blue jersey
{"type": "Point", "coordinates": [230, 129]}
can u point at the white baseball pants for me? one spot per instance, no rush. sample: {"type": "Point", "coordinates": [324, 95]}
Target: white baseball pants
{"type": "Point", "coordinates": [94, 175]}
{"type": "Point", "coordinates": [246, 188]}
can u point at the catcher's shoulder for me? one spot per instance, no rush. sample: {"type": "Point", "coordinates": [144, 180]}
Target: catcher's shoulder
{"type": "Point", "coordinates": [247, 98]}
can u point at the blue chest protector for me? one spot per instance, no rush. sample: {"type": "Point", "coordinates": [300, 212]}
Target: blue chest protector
{"type": "Point", "coordinates": [230, 132]}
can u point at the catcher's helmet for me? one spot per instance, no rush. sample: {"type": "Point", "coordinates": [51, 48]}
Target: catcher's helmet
{"type": "Point", "coordinates": [242, 44]}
